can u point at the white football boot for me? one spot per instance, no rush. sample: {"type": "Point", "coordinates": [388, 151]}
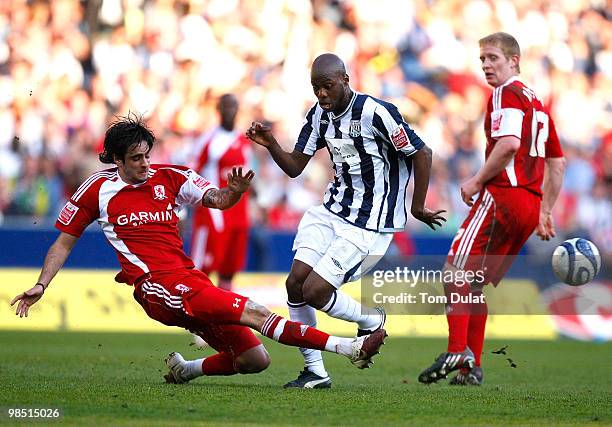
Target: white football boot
{"type": "Point", "coordinates": [178, 372]}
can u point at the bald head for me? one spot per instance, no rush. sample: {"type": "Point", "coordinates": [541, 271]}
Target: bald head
{"type": "Point", "coordinates": [327, 65]}
{"type": "Point", "coordinates": [330, 83]}
{"type": "Point", "coordinates": [227, 99]}
{"type": "Point", "coordinates": [228, 108]}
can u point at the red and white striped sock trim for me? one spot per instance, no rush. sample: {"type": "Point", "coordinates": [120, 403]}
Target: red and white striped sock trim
{"type": "Point", "coordinates": [274, 326]}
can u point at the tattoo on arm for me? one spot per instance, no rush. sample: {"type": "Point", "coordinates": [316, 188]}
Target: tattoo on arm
{"type": "Point", "coordinates": [210, 198]}
{"type": "Point", "coordinates": [220, 198]}
{"type": "Point", "coordinates": [258, 308]}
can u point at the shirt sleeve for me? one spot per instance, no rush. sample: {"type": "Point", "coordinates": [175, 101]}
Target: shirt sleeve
{"type": "Point", "coordinates": [308, 141]}
{"type": "Point", "coordinates": [507, 115]}
{"type": "Point", "coordinates": [389, 124]}
{"type": "Point", "coordinates": [81, 210]}
{"type": "Point", "coordinates": [553, 148]}
{"type": "Point", "coordinates": [193, 189]}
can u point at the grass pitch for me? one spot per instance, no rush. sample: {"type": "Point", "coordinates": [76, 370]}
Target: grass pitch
{"type": "Point", "coordinates": [116, 379]}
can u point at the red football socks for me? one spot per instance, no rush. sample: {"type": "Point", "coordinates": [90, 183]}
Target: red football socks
{"type": "Point", "coordinates": [457, 332]}
{"type": "Point", "coordinates": [219, 364]}
{"type": "Point", "coordinates": [476, 328]}
{"type": "Point", "coordinates": [458, 317]}
{"type": "Point", "coordinates": [293, 333]}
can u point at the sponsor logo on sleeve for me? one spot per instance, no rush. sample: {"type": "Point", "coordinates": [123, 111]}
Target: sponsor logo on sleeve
{"type": "Point", "coordinates": [496, 119]}
{"type": "Point", "coordinates": [200, 182]}
{"type": "Point", "coordinates": [67, 213]}
{"type": "Point", "coordinates": [399, 137]}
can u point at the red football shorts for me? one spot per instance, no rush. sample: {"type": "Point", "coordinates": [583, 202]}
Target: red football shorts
{"type": "Point", "coordinates": [188, 299]}
{"type": "Point", "coordinates": [223, 252]}
{"type": "Point", "coordinates": [498, 225]}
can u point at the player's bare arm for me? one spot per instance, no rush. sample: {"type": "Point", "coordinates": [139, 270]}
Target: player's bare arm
{"type": "Point", "coordinates": [504, 150]}
{"type": "Point", "coordinates": [554, 170]}
{"type": "Point", "coordinates": [56, 256]}
{"type": "Point", "coordinates": [422, 170]}
{"type": "Point", "coordinates": [254, 315]}
{"type": "Point", "coordinates": [227, 197]}
{"type": "Point", "coordinates": [291, 163]}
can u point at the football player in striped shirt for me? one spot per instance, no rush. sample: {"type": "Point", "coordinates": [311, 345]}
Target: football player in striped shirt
{"type": "Point", "coordinates": [136, 204]}
{"type": "Point", "coordinates": [515, 192]}
{"type": "Point", "coordinates": [373, 153]}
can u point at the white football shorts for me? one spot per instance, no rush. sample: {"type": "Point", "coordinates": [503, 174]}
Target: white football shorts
{"type": "Point", "coordinates": [338, 251]}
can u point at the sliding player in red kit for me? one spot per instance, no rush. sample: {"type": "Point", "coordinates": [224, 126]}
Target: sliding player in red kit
{"type": "Point", "coordinates": [515, 192]}
{"type": "Point", "coordinates": [220, 238]}
{"type": "Point", "coordinates": [136, 205]}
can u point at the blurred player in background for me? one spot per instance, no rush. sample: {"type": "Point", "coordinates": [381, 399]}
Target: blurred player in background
{"type": "Point", "coordinates": [220, 238]}
{"type": "Point", "coordinates": [374, 152]}
{"type": "Point", "coordinates": [136, 205]}
{"type": "Point", "coordinates": [523, 151]}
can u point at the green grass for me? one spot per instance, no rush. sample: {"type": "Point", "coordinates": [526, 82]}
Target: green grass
{"type": "Point", "coordinates": [110, 379]}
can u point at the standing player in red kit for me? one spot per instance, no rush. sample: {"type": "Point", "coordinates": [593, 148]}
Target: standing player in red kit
{"type": "Point", "coordinates": [136, 205]}
{"type": "Point", "coordinates": [523, 151]}
{"type": "Point", "coordinates": [220, 238]}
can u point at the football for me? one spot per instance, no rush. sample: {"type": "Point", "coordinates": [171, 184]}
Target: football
{"type": "Point", "coordinates": [576, 261]}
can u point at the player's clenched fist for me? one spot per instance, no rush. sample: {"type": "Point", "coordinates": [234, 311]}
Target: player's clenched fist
{"type": "Point", "coordinates": [260, 134]}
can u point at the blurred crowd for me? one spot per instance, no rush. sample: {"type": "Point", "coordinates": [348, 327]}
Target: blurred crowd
{"type": "Point", "coordinates": [68, 67]}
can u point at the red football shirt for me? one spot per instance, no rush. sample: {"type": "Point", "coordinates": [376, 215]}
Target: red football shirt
{"type": "Point", "coordinates": [217, 152]}
{"type": "Point", "coordinates": [140, 221]}
{"type": "Point", "coordinates": [514, 110]}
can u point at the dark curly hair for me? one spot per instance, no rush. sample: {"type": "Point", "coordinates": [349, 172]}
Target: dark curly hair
{"type": "Point", "coordinates": [122, 135]}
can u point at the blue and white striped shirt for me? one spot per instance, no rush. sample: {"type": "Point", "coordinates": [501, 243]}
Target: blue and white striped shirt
{"type": "Point", "coordinates": [370, 146]}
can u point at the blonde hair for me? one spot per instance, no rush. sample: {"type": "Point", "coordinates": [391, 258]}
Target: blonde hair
{"type": "Point", "coordinates": [508, 45]}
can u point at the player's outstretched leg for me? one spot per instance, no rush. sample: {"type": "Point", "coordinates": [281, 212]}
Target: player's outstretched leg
{"type": "Point", "coordinates": [359, 350]}
{"type": "Point", "coordinates": [322, 295]}
{"type": "Point", "coordinates": [341, 306]}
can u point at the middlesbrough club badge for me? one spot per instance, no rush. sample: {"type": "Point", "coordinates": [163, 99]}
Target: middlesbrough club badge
{"type": "Point", "coordinates": [160, 192]}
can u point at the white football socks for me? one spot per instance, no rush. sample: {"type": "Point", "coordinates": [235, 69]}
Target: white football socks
{"type": "Point", "coordinates": [341, 306]}
{"type": "Point", "coordinates": [193, 369]}
{"type": "Point", "coordinates": [343, 346]}
{"type": "Point", "coordinates": [303, 313]}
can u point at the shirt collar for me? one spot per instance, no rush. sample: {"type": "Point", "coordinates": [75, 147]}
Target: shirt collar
{"type": "Point", "coordinates": [510, 80]}
{"type": "Point", "coordinates": [348, 107]}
